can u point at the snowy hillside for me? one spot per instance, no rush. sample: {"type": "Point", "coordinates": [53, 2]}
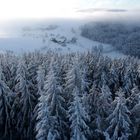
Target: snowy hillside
{"type": "Point", "coordinates": [59, 36]}
{"type": "Point", "coordinates": [64, 39]}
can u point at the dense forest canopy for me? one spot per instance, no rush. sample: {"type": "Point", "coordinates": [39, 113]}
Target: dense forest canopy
{"type": "Point", "coordinates": [50, 96]}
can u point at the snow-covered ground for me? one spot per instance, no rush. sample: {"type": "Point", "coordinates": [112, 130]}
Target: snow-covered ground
{"type": "Point", "coordinates": [60, 37]}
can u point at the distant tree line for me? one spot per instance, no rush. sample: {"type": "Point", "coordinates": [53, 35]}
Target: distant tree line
{"type": "Point", "coordinates": [125, 38]}
{"type": "Point", "coordinates": [50, 96]}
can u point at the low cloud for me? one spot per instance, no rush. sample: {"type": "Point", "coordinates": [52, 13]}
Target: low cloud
{"type": "Point", "coordinates": [116, 10]}
{"type": "Point", "coordinates": [92, 10]}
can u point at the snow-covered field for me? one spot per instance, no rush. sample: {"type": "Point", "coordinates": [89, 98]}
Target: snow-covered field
{"type": "Point", "coordinates": [60, 37]}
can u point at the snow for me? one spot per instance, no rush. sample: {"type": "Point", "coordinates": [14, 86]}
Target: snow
{"type": "Point", "coordinates": [60, 37]}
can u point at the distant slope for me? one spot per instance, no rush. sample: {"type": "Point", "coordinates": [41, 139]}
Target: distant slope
{"type": "Point", "coordinates": [66, 39]}
{"type": "Point", "coordinates": [121, 36]}
{"type": "Point", "coordinates": [63, 37]}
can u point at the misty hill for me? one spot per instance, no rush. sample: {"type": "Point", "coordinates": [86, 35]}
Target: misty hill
{"type": "Point", "coordinates": [125, 38]}
{"type": "Point", "coordinates": [63, 38]}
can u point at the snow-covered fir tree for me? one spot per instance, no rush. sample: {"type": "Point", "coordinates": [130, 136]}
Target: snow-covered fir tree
{"type": "Point", "coordinates": [73, 79]}
{"type": "Point", "coordinates": [44, 123]}
{"type": "Point", "coordinates": [78, 118]}
{"type": "Point", "coordinates": [104, 101]}
{"type": "Point", "coordinates": [5, 96]}
{"type": "Point", "coordinates": [84, 81]}
{"type": "Point", "coordinates": [119, 120]}
{"type": "Point", "coordinates": [103, 109]}
{"type": "Point", "coordinates": [134, 104]}
{"type": "Point", "coordinates": [26, 102]}
{"type": "Point", "coordinates": [40, 79]}
{"type": "Point", "coordinates": [51, 110]}
{"type": "Point", "coordinates": [134, 98]}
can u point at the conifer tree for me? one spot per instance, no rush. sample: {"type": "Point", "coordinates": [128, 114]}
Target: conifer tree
{"type": "Point", "coordinates": [78, 118]}
{"type": "Point", "coordinates": [103, 109]}
{"type": "Point", "coordinates": [26, 104]}
{"type": "Point", "coordinates": [5, 98]}
{"type": "Point", "coordinates": [40, 79]}
{"type": "Point", "coordinates": [119, 121]}
{"type": "Point", "coordinates": [52, 103]}
{"type": "Point", "coordinates": [73, 78]}
{"type": "Point", "coordinates": [134, 105]}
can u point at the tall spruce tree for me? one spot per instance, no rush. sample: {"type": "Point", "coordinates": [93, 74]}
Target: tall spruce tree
{"type": "Point", "coordinates": [24, 122]}
{"type": "Point", "coordinates": [5, 96]}
{"type": "Point", "coordinates": [78, 118]}
{"type": "Point", "coordinates": [119, 120]}
{"type": "Point", "coordinates": [51, 109]}
{"type": "Point", "coordinates": [40, 79]}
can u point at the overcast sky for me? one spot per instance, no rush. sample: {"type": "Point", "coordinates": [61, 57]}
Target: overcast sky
{"type": "Point", "coordinates": [13, 9]}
